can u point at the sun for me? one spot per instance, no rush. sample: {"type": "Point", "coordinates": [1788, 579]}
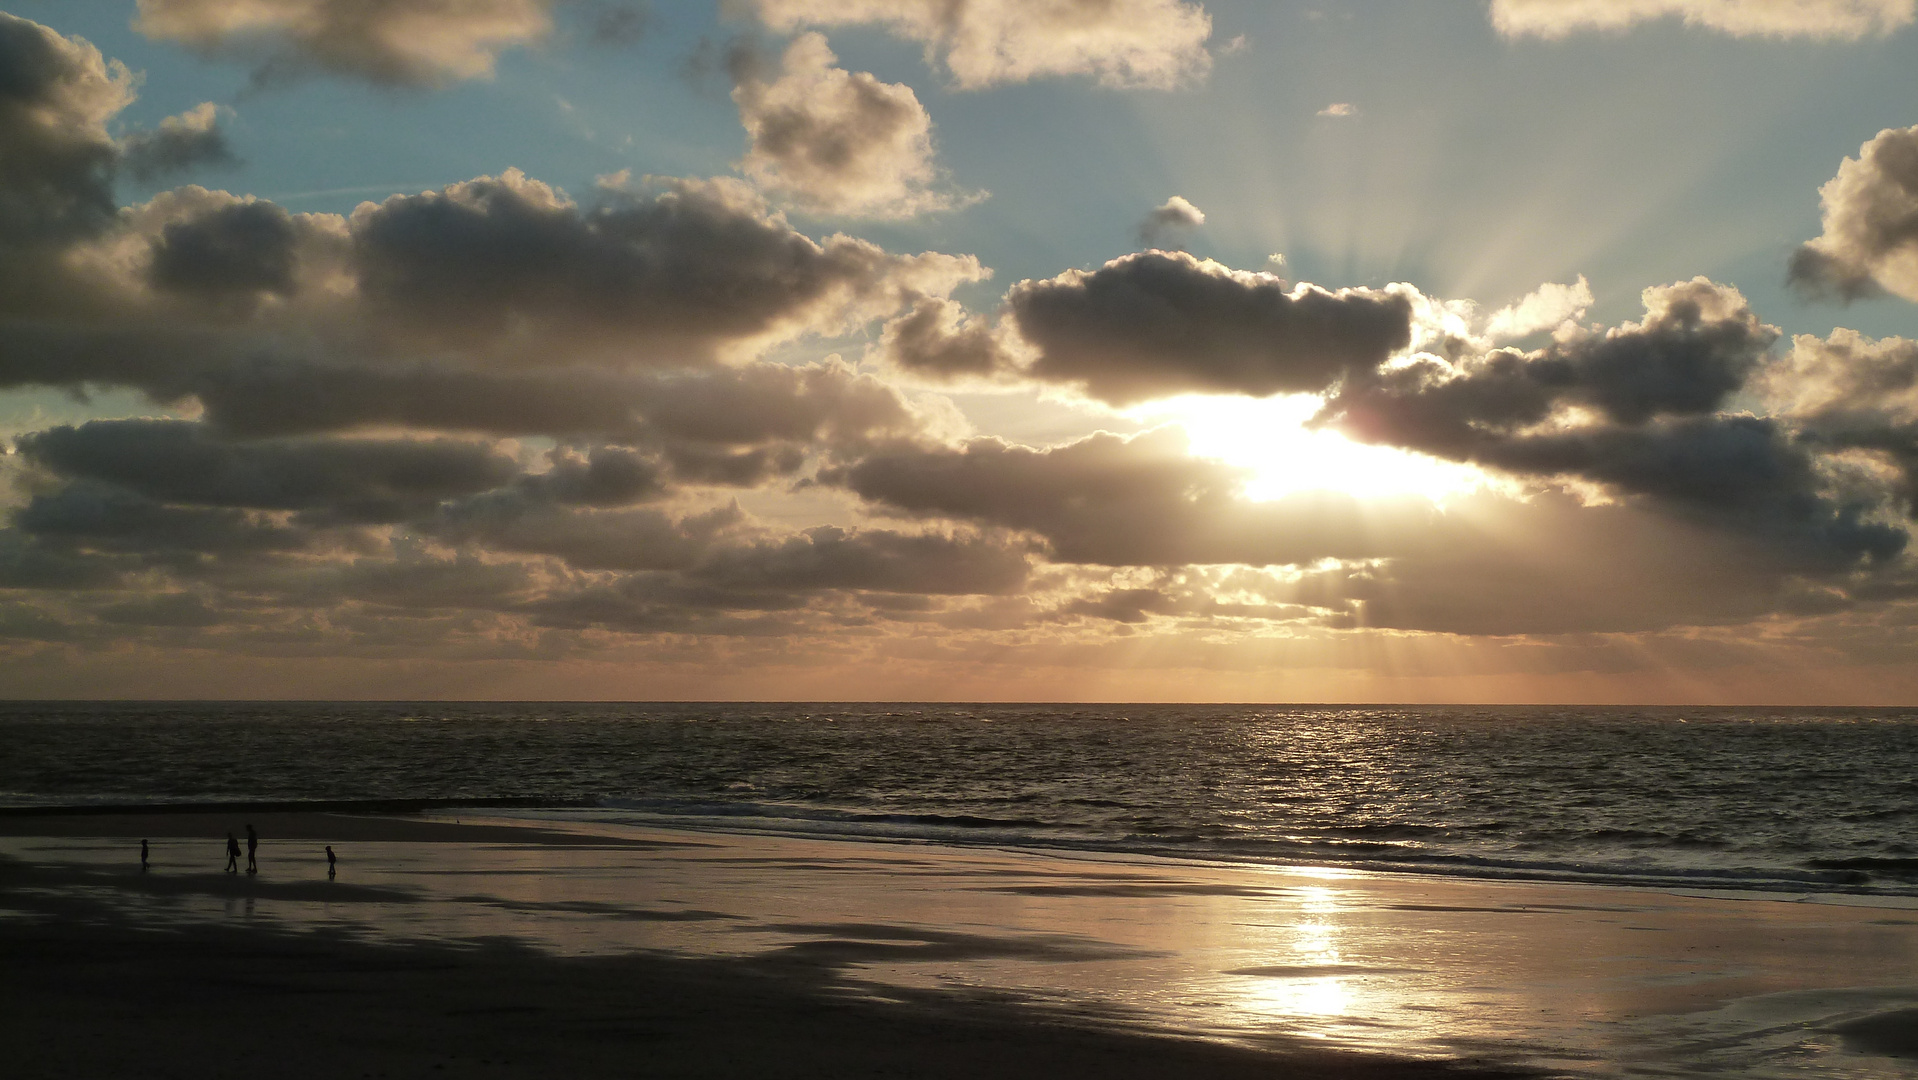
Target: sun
{"type": "Point", "coordinates": [1269, 437]}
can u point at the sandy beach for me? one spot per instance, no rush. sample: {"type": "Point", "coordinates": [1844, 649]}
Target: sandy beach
{"type": "Point", "coordinates": [548, 945]}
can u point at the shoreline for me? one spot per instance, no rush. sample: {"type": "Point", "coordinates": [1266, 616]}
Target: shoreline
{"type": "Point", "coordinates": [1382, 972]}
{"type": "Point", "coordinates": [422, 819]}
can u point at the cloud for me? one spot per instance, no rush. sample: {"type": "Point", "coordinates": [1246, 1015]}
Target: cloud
{"type": "Point", "coordinates": [178, 462]}
{"type": "Point", "coordinates": [829, 557]}
{"type": "Point", "coordinates": [182, 142]}
{"type": "Point", "coordinates": [102, 517]}
{"type": "Point", "coordinates": [1696, 346]}
{"type": "Point", "coordinates": [620, 23]}
{"type": "Point", "coordinates": [1114, 501]}
{"type": "Point", "coordinates": [938, 338]}
{"type": "Point", "coordinates": [1849, 392]}
{"type": "Point", "coordinates": [1486, 564]}
{"type": "Point", "coordinates": [239, 249]}
{"type": "Point", "coordinates": [497, 270]}
{"type": "Point", "coordinates": [353, 484]}
{"type": "Point", "coordinates": [1169, 223]}
{"type": "Point", "coordinates": [1546, 308]}
{"type": "Point", "coordinates": [1637, 411]}
{"type": "Point", "coordinates": [1149, 43]}
{"type": "Point", "coordinates": [1842, 19]}
{"type": "Point", "coordinates": [1846, 378]}
{"type": "Point", "coordinates": [672, 279]}
{"type": "Point", "coordinates": [389, 42]}
{"type": "Point", "coordinates": [1555, 565]}
{"type": "Point", "coordinates": [838, 142]}
{"type": "Point", "coordinates": [1158, 324]}
{"type": "Point", "coordinates": [56, 98]}
{"type": "Point", "coordinates": [1339, 110]}
{"type": "Point", "coordinates": [1870, 239]}
{"type": "Point", "coordinates": [624, 539]}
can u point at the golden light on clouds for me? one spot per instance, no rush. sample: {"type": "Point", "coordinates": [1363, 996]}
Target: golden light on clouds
{"type": "Point", "coordinates": [1271, 437]}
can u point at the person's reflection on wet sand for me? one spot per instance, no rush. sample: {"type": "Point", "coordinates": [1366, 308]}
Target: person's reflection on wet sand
{"type": "Point", "coordinates": [232, 853]}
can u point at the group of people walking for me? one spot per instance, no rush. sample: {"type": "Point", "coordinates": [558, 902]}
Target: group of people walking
{"type": "Point", "coordinates": [252, 854]}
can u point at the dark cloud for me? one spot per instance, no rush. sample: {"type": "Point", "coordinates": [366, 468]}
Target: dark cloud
{"type": "Point", "coordinates": [660, 604]}
{"type": "Point", "coordinates": [1554, 565]}
{"type": "Point", "coordinates": [104, 517]}
{"type": "Point", "coordinates": [1698, 344]}
{"type": "Point", "coordinates": [28, 564]}
{"type": "Point", "coordinates": [389, 42]}
{"type": "Point", "coordinates": [606, 476]}
{"type": "Point", "coordinates": [255, 397]}
{"type": "Point", "coordinates": [1159, 324]}
{"type": "Point", "coordinates": [729, 426]}
{"type": "Point", "coordinates": [828, 557]}
{"type": "Point", "coordinates": [1127, 502]}
{"type": "Point", "coordinates": [624, 539]}
{"type": "Point", "coordinates": [182, 142]}
{"type": "Point", "coordinates": [733, 588]}
{"type": "Point", "coordinates": [937, 338]}
{"type": "Point", "coordinates": [1744, 472]}
{"type": "Point", "coordinates": [176, 461]}
{"type": "Point", "coordinates": [1870, 240]}
{"type": "Point", "coordinates": [239, 249]}
{"type": "Point", "coordinates": [663, 281]}
{"type": "Point", "coordinates": [412, 581]}
{"type": "Point", "coordinates": [56, 96]}
{"type": "Point", "coordinates": [1656, 388]}
{"type": "Point", "coordinates": [163, 609]}
{"type": "Point", "coordinates": [827, 403]}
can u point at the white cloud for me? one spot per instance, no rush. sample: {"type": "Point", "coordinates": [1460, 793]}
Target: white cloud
{"type": "Point", "coordinates": [1545, 308]}
{"type": "Point", "coordinates": [1167, 224]}
{"type": "Point", "coordinates": [1870, 242]}
{"type": "Point", "coordinates": [1848, 19]}
{"type": "Point", "coordinates": [1154, 43]}
{"type": "Point", "coordinates": [836, 141]}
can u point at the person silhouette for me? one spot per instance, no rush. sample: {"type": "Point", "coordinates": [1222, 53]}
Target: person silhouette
{"type": "Point", "coordinates": [232, 853]}
{"type": "Point", "coordinates": [252, 846]}
{"type": "Point", "coordinates": [143, 855]}
{"type": "Point", "coordinates": [330, 870]}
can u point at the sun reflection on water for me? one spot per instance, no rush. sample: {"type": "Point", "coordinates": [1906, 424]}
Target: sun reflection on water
{"type": "Point", "coordinates": [1303, 982]}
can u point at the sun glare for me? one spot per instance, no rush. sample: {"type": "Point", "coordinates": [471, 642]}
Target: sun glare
{"type": "Point", "coordinates": [1269, 437]}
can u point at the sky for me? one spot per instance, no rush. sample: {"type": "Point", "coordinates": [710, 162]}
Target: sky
{"type": "Point", "coordinates": [1057, 350]}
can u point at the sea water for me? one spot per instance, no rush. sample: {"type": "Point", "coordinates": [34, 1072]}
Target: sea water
{"type": "Point", "coordinates": [1799, 800]}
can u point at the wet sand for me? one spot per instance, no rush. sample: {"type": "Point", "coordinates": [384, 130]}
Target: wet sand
{"type": "Point", "coordinates": [555, 947]}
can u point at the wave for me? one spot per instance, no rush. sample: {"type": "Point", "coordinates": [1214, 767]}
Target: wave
{"type": "Point", "coordinates": [1864, 876]}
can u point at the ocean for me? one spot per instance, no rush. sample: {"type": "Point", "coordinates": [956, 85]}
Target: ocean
{"type": "Point", "coordinates": [1770, 800]}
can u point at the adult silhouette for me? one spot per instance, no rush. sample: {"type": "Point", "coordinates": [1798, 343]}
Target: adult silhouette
{"type": "Point", "coordinates": [232, 853]}
{"type": "Point", "coordinates": [252, 847]}
{"type": "Point", "coordinates": [330, 870]}
{"type": "Point", "coordinates": [143, 854]}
